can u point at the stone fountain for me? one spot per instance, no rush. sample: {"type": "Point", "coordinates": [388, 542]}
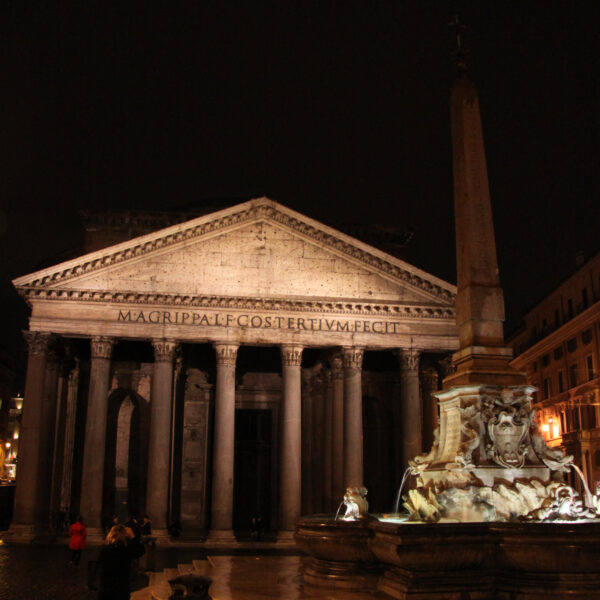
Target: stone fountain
{"type": "Point", "coordinates": [491, 516]}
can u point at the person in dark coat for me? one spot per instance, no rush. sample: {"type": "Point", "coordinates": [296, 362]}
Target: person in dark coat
{"type": "Point", "coordinates": [114, 562]}
{"type": "Point", "coordinates": [133, 524]}
{"type": "Point", "coordinates": [146, 526]}
{"type": "Point", "coordinates": [77, 533]}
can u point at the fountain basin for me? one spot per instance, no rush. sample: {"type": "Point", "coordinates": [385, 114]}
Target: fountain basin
{"type": "Point", "coordinates": [442, 561]}
{"type": "Point", "coordinates": [549, 547]}
{"type": "Point", "coordinates": [340, 553]}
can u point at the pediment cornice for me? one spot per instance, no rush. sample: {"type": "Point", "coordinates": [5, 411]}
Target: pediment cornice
{"type": "Point", "coordinates": [208, 226]}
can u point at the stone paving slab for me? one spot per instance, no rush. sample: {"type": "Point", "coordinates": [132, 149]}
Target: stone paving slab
{"type": "Point", "coordinates": [31, 572]}
{"type": "Point", "coordinates": [270, 577]}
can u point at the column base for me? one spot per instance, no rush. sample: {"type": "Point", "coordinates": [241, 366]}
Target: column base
{"type": "Point", "coordinates": [160, 537]}
{"type": "Point", "coordinates": [20, 534]}
{"type": "Point", "coordinates": [286, 536]}
{"type": "Point", "coordinates": [221, 536]}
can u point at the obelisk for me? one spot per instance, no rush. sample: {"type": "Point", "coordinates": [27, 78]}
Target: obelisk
{"type": "Point", "coordinates": [482, 357]}
{"type": "Point", "coordinates": [489, 456]}
{"type": "Point", "coordinates": [485, 405]}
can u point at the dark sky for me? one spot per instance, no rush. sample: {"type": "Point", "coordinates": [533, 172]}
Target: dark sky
{"type": "Point", "coordinates": [337, 109]}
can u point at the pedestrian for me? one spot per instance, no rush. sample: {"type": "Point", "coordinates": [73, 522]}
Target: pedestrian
{"type": "Point", "coordinates": [133, 524]}
{"type": "Point", "coordinates": [77, 533]}
{"type": "Point", "coordinates": [146, 526]}
{"type": "Point", "coordinates": [114, 563]}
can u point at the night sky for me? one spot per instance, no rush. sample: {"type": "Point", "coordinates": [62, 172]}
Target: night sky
{"type": "Point", "coordinates": [337, 109]}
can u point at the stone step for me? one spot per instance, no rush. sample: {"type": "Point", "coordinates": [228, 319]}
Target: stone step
{"type": "Point", "coordinates": [171, 572]}
{"type": "Point", "coordinates": [185, 568]}
{"type": "Point", "coordinates": [159, 585]}
{"type": "Point", "coordinates": [202, 566]}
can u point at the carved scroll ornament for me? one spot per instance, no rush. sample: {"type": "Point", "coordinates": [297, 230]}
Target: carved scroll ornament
{"type": "Point", "coordinates": [291, 356]}
{"type": "Point", "coordinates": [102, 346]}
{"type": "Point", "coordinates": [409, 359]}
{"type": "Point", "coordinates": [353, 357]}
{"type": "Point", "coordinates": [226, 353]}
{"type": "Point", "coordinates": [164, 350]}
{"type": "Point", "coordinates": [37, 342]}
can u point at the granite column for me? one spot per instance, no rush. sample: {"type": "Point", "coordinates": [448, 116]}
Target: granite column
{"type": "Point", "coordinates": [353, 422]}
{"type": "Point", "coordinates": [411, 410]}
{"type": "Point", "coordinates": [28, 480]}
{"type": "Point", "coordinates": [308, 503]}
{"type": "Point", "coordinates": [221, 525]}
{"type": "Point", "coordinates": [69, 439]}
{"type": "Point", "coordinates": [47, 439]}
{"type": "Point", "coordinates": [159, 449]}
{"type": "Point", "coordinates": [327, 441]}
{"type": "Point", "coordinates": [94, 450]}
{"type": "Point", "coordinates": [290, 462]}
{"type": "Point", "coordinates": [337, 433]}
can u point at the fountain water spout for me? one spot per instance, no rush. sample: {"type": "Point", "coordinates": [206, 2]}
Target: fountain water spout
{"type": "Point", "coordinates": [589, 499]}
{"type": "Point", "coordinates": [399, 495]}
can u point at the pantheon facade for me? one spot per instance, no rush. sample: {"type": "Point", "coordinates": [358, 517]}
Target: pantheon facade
{"type": "Point", "coordinates": [226, 374]}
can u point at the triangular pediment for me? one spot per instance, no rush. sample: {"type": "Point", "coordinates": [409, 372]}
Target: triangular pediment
{"type": "Point", "coordinates": [258, 249]}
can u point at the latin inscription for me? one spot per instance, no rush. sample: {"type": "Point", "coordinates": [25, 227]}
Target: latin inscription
{"type": "Point", "coordinates": [217, 319]}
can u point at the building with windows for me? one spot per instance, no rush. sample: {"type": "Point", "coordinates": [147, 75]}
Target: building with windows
{"type": "Point", "coordinates": [558, 346]}
{"type": "Point", "coordinates": [11, 441]}
{"type": "Point", "coordinates": [7, 375]}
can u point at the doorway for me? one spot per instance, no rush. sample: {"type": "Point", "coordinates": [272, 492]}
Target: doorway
{"type": "Point", "coordinates": [252, 471]}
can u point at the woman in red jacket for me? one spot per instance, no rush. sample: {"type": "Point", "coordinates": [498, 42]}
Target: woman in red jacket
{"type": "Point", "coordinates": [78, 533]}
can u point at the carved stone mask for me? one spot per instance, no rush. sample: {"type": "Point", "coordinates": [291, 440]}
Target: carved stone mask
{"type": "Point", "coordinates": [507, 433]}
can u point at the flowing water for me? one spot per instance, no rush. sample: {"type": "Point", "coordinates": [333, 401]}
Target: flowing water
{"type": "Point", "coordinates": [337, 514]}
{"type": "Point", "coordinates": [589, 502]}
{"type": "Point", "coordinates": [399, 496]}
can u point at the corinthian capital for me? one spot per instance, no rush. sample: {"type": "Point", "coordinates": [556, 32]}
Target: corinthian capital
{"type": "Point", "coordinates": [409, 359]}
{"type": "Point", "coordinates": [226, 353]}
{"type": "Point", "coordinates": [102, 346]}
{"type": "Point", "coordinates": [291, 356]}
{"type": "Point", "coordinates": [352, 357]}
{"type": "Point", "coordinates": [164, 350]}
{"type": "Point", "coordinates": [37, 342]}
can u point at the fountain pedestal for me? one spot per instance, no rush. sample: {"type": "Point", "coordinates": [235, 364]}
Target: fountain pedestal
{"type": "Point", "coordinates": [504, 561]}
{"type": "Point", "coordinates": [454, 561]}
{"type": "Point", "coordinates": [489, 461]}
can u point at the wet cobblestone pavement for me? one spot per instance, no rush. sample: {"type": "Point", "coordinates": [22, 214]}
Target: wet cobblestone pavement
{"type": "Point", "coordinates": [44, 573]}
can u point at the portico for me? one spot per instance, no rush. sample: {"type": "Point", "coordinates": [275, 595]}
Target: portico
{"type": "Point", "coordinates": [346, 330]}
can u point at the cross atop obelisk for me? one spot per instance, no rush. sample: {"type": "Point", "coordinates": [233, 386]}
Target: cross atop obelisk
{"type": "Point", "coordinates": [459, 53]}
{"type": "Point", "coordinates": [483, 358]}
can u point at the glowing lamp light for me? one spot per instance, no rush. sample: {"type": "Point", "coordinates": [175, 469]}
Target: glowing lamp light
{"type": "Point", "coordinates": [545, 427]}
{"type": "Point", "coordinates": [7, 445]}
{"type": "Point", "coordinates": [16, 435]}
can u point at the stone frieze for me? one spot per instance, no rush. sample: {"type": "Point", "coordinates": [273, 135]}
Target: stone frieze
{"type": "Point", "coordinates": [240, 303]}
